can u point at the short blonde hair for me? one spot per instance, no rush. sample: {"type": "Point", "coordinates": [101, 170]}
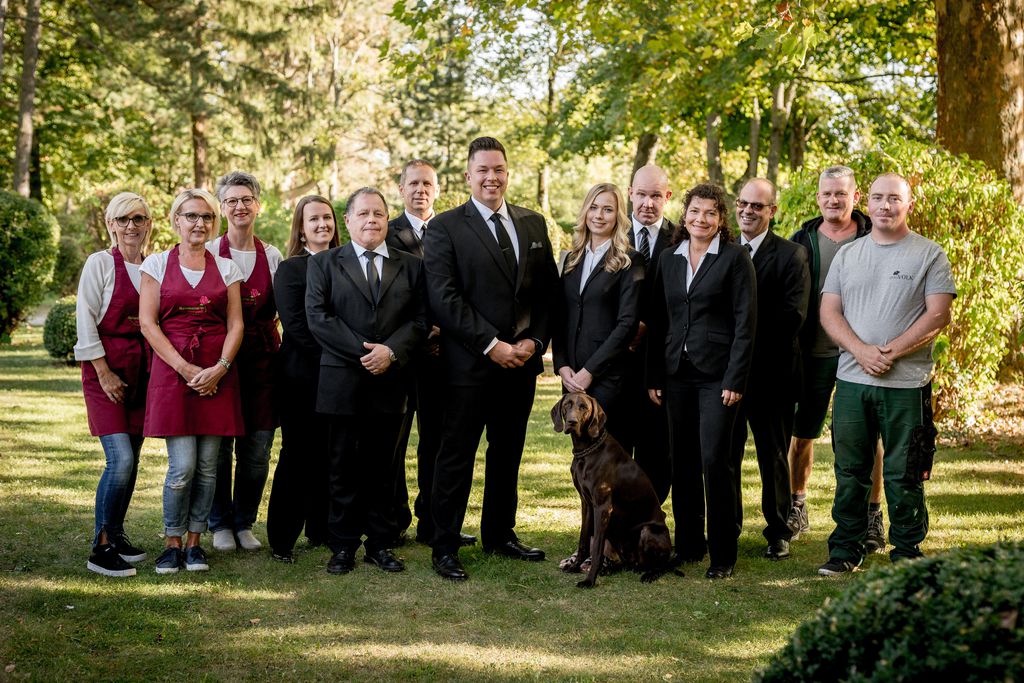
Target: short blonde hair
{"type": "Point", "coordinates": [123, 204]}
{"type": "Point", "coordinates": [197, 193]}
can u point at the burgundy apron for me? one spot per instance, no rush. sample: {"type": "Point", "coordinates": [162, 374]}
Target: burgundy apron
{"type": "Point", "coordinates": [194, 320]}
{"type": "Point", "coordinates": [126, 352]}
{"type": "Point", "coordinates": [260, 343]}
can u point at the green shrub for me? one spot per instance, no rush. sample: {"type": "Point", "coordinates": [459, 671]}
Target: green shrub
{"type": "Point", "coordinates": [59, 331]}
{"type": "Point", "coordinates": [957, 616]}
{"type": "Point", "coordinates": [28, 250]}
{"type": "Point", "coordinates": [68, 269]}
{"type": "Point", "coordinates": [961, 205]}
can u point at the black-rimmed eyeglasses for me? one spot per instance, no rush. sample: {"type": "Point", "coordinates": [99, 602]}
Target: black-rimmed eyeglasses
{"type": "Point", "coordinates": [194, 218]}
{"type": "Point", "coordinates": [233, 202]}
{"type": "Point", "coordinates": [139, 221]}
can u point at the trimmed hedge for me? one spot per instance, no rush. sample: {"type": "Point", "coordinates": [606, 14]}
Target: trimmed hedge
{"type": "Point", "coordinates": [972, 214]}
{"type": "Point", "coordinates": [957, 616]}
{"type": "Point", "coordinates": [60, 332]}
{"type": "Point", "coordinates": [28, 251]}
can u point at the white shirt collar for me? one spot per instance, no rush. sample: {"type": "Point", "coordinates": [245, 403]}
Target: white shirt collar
{"type": "Point", "coordinates": [601, 250]}
{"type": "Point", "coordinates": [684, 248]}
{"type": "Point", "coordinates": [653, 227]}
{"type": "Point", "coordinates": [382, 249]}
{"type": "Point", "coordinates": [416, 222]}
{"type": "Point", "coordinates": [754, 243]}
{"type": "Point", "coordinates": [487, 212]}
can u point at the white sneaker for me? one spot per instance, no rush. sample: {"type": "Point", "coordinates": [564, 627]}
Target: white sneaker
{"type": "Point", "coordinates": [247, 540]}
{"type": "Point", "coordinates": [224, 539]}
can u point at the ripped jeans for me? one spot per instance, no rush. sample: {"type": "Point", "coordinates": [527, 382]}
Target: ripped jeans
{"type": "Point", "coordinates": [191, 479]}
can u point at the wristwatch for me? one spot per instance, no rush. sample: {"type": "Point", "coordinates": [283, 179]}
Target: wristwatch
{"type": "Point", "coordinates": [225, 362]}
{"type": "Point", "coordinates": [392, 356]}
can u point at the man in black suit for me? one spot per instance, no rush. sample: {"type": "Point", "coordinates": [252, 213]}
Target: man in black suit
{"type": "Point", "coordinates": [490, 277]}
{"type": "Point", "coordinates": [366, 307]}
{"type": "Point", "coordinates": [645, 426]}
{"type": "Point", "coordinates": [783, 287]}
{"type": "Point", "coordinates": [418, 187]}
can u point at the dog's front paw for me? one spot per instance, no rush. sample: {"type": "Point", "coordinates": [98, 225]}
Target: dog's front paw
{"type": "Point", "coordinates": [652, 576]}
{"type": "Point", "coordinates": [585, 583]}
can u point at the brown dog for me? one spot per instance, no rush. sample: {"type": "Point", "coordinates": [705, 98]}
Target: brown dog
{"type": "Point", "coordinates": [621, 512]}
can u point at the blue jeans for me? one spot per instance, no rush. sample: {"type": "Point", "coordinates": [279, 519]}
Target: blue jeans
{"type": "Point", "coordinates": [117, 483]}
{"type": "Point", "coordinates": [252, 455]}
{"type": "Point", "coordinates": [191, 478]}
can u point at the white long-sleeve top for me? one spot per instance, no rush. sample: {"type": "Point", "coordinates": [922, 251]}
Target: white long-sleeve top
{"type": "Point", "coordinates": [95, 289]}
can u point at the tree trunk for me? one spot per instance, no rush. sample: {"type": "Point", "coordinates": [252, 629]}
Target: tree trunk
{"type": "Point", "coordinates": [782, 104]}
{"type": "Point", "coordinates": [35, 174]}
{"type": "Point", "coordinates": [981, 83]}
{"type": "Point", "coordinates": [198, 114]}
{"type": "Point", "coordinates": [200, 147]}
{"type": "Point", "coordinates": [646, 153]}
{"type": "Point", "coordinates": [713, 133]}
{"type": "Point", "coordinates": [27, 99]}
{"type": "Point", "coordinates": [755, 142]}
{"type": "Point", "coordinates": [3, 25]}
{"type": "Point", "coordinates": [797, 138]}
{"type": "Point", "coordinates": [543, 200]}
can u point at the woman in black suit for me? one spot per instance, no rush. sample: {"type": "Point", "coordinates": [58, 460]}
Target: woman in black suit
{"type": "Point", "coordinates": [702, 321]}
{"type": "Point", "coordinates": [598, 299]}
{"type": "Point", "coordinates": [299, 493]}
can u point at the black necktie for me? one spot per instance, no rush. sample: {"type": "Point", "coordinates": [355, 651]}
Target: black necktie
{"type": "Point", "coordinates": [372, 278]}
{"type": "Point", "coordinates": [750, 249]}
{"type": "Point", "coordinates": [644, 245]}
{"type": "Point", "coordinates": [505, 244]}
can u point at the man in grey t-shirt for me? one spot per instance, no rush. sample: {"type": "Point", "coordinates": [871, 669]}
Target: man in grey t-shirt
{"type": "Point", "coordinates": [885, 301]}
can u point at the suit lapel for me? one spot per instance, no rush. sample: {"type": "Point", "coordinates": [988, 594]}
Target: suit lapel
{"type": "Point", "coordinates": [709, 262]}
{"type": "Point", "coordinates": [350, 264]}
{"type": "Point", "coordinates": [391, 267]}
{"type": "Point", "coordinates": [765, 253]}
{"type": "Point", "coordinates": [521, 235]}
{"type": "Point", "coordinates": [476, 225]}
{"type": "Point", "coordinates": [595, 273]}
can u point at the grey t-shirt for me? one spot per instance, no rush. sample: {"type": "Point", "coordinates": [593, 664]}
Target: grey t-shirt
{"type": "Point", "coordinates": [883, 288]}
{"type": "Point", "coordinates": [824, 347]}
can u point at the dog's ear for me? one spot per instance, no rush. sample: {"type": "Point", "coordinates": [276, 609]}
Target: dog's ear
{"type": "Point", "coordinates": [597, 418]}
{"type": "Point", "coordinates": [557, 416]}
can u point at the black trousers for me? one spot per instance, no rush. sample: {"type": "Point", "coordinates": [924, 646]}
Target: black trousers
{"type": "Point", "coordinates": [642, 426]}
{"type": "Point", "coordinates": [502, 407]}
{"type": "Point", "coordinates": [426, 408]}
{"type": "Point", "coordinates": [299, 495]}
{"type": "Point", "coordinates": [362, 476]}
{"type": "Point", "coordinates": [768, 408]}
{"type": "Point", "coordinates": [700, 435]}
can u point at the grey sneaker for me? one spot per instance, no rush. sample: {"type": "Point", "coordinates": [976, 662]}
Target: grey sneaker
{"type": "Point", "coordinates": [835, 567]}
{"type": "Point", "coordinates": [169, 561]}
{"type": "Point", "coordinates": [797, 520]}
{"type": "Point", "coordinates": [874, 542]}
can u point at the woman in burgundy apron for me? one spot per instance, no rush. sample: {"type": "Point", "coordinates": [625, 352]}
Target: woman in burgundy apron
{"type": "Point", "coordinates": [237, 498]}
{"type": "Point", "coordinates": [191, 315]}
{"type": "Point", "coordinates": [299, 496]}
{"type": "Point", "coordinates": [113, 354]}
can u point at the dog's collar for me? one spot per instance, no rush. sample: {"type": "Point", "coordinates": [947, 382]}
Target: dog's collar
{"type": "Point", "coordinates": [598, 443]}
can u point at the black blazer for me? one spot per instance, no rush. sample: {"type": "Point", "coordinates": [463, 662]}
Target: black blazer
{"type": "Point", "coordinates": [473, 296]}
{"type": "Point", "coordinates": [783, 288]}
{"type": "Point", "coordinates": [342, 316]}
{"type": "Point", "coordinates": [715, 320]}
{"type": "Point", "coordinates": [401, 236]}
{"type": "Point", "coordinates": [596, 326]}
{"type": "Point", "coordinates": [299, 358]}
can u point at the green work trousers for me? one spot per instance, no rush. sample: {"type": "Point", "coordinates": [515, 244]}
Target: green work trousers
{"type": "Point", "coordinates": [860, 414]}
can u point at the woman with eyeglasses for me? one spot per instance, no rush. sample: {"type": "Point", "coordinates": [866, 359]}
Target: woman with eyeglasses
{"type": "Point", "coordinates": [191, 314]}
{"type": "Point", "coordinates": [113, 355]}
{"type": "Point", "coordinates": [299, 495]}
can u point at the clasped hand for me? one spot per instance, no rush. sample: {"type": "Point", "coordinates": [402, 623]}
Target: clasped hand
{"type": "Point", "coordinates": [512, 355]}
{"type": "Point", "coordinates": [575, 381]}
{"type": "Point", "coordinates": [378, 360]}
{"type": "Point", "coordinates": [874, 359]}
{"type": "Point", "coordinates": [204, 380]}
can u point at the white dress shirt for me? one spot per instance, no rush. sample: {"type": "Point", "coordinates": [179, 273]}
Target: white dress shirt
{"type": "Point", "coordinates": [591, 259]}
{"type": "Point", "coordinates": [379, 254]}
{"type": "Point", "coordinates": [502, 211]}
{"type": "Point", "coordinates": [417, 224]}
{"type": "Point", "coordinates": [754, 243]}
{"type": "Point", "coordinates": [652, 233]}
{"type": "Point", "coordinates": [684, 250]}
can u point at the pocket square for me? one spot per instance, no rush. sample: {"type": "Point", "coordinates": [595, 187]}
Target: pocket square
{"type": "Point", "coordinates": [536, 245]}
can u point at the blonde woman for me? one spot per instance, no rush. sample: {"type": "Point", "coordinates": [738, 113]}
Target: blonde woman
{"type": "Point", "coordinates": [112, 351]}
{"type": "Point", "coordinates": [599, 300]}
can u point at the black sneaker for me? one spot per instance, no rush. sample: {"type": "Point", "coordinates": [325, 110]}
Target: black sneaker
{"type": "Point", "coordinates": [169, 561]}
{"type": "Point", "coordinates": [126, 550]}
{"type": "Point", "coordinates": [285, 556]}
{"type": "Point", "coordinates": [195, 559]}
{"type": "Point", "coordinates": [874, 542]}
{"type": "Point", "coordinates": [105, 560]}
{"type": "Point", "coordinates": [797, 520]}
{"type": "Point", "coordinates": [835, 567]}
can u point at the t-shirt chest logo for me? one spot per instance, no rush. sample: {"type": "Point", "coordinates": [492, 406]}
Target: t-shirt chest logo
{"type": "Point", "coordinates": [897, 275]}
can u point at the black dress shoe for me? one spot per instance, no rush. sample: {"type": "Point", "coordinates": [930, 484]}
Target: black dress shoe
{"type": "Point", "coordinates": [678, 559]}
{"type": "Point", "coordinates": [723, 572]}
{"type": "Point", "coordinates": [777, 550]}
{"type": "Point", "coordinates": [516, 550]}
{"type": "Point", "coordinates": [449, 567]}
{"type": "Point", "coordinates": [342, 562]}
{"type": "Point", "coordinates": [285, 556]}
{"type": "Point", "coordinates": [385, 559]}
{"type": "Point", "coordinates": [466, 540]}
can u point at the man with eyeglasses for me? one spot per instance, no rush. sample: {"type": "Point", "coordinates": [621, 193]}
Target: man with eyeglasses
{"type": "Point", "coordinates": [839, 224]}
{"type": "Point", "coordinates": [234, 509]}
{"type": "Point", "coordinates": [783, 284]}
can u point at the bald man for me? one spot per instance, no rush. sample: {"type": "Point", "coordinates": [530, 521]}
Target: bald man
{"type": "Point", "coordinates": [886, 298]}
{"type": "Point", "coordinates": [645, 435]}
{"type": "Point", "coordinates": [783, 287]}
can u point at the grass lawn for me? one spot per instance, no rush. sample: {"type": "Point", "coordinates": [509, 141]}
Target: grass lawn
{"type": "Point", "coordinates": [251, 618]}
